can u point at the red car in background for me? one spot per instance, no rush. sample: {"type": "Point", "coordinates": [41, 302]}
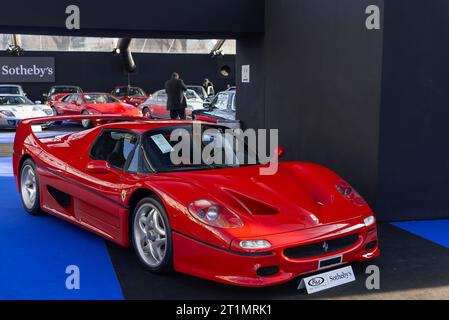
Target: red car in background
{"type": "Point", "coordinates": [226, 223]}
{"type": "Point", "coordinates": [131, 95]}
{"type": "Point", "coordinates": [93, 103]}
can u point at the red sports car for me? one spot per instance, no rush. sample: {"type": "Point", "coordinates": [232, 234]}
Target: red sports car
{"type": "Point", "coordinates": [130, 95]}
{"type": "Point", "coordinates": [93, 103]}
{"type": "Point", "coordinates": [225, 223]}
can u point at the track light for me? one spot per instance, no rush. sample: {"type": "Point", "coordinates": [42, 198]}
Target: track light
{"type": "Point", "coordinates": [14, 50]}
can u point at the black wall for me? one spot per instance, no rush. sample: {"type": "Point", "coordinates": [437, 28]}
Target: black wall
{"type": "Point", "coordinates": [139, 18]}
{"type": "Point", "coordinates": [414, 157]}
{"type": "Point", "coordinates": [101, 71]}
{"type": "Point", "coordinates": [315, 75]}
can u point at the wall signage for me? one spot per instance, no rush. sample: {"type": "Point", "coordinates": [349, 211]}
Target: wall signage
{"type": "Point", "coordinates": [27, 69]}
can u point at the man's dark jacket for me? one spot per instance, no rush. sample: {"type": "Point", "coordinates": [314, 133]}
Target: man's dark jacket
{"type": "Point", "coordinates": [175, 94]}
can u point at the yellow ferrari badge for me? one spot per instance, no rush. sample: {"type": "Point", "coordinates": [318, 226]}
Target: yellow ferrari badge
{"type": "Point", "coordinates": [123, 195]}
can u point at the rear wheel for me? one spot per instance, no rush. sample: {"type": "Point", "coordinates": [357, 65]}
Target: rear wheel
{"type": "Point", "coordinates": [151, 235]}
{"type": "Point", "coordinates": [29, 188]}
{"type": "Point", "coordinates": [86, 123]}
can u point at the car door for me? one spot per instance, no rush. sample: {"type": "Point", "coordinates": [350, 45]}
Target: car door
{"type": "Point", "coordinates": [73, 105]}
{"type": "Point", "coordinates": [62, 105]}
{"type": "Point", "coordinates": [98, 196]}
{"type": "Point", "coordinates": [159, 107]}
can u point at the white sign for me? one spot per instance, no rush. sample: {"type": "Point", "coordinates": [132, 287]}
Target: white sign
{"type": "Point", "coordinates": [245, 73]}
{"type": "Point", "coordinates": [162, 143]}
{"type": "Point", "coordinates": [36, 128]}
{"type": "Point", "coordinates": [327, 280]}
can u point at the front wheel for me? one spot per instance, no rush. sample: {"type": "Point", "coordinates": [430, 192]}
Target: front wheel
{"type": "Point", "coordinates": [86, 123]}
{"type": "Point", "coordinates": [151, 235]}
{"type": "Point", "coordinates": [29, 188]}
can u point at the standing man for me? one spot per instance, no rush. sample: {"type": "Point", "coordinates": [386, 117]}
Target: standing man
{"type": "Point", "coordinates": [176, 102]}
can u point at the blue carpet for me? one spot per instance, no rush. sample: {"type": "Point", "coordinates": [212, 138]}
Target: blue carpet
{"type": "Point", "coordinates": [35, 252]}
{"type": "Point", "coordinates": [433, 230]}
{"type": "Point", "coordinates": [6, 167]}
{"type": "Point", "coordinates": [8, 137]}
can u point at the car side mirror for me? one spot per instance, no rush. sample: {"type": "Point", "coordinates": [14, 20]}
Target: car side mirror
{"type": "Point", "coordinates": [206, 105]}
{"type": "Point", "coordinates": [280, 151]}
{"type": "Point", "coordinates": [98, 166]}
{"type": "Point", "coordinates": [74, 102]}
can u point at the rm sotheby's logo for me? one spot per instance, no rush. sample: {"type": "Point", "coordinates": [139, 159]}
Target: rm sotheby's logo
{"type": "Point", "coordinates": [316, 281]}
{"type": "Point", "coordinates": [27, 69]}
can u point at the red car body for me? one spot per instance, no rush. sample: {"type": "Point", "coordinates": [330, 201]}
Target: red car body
{"type": "Point", "coordinates": [298, 207]}
{"type": "Point", "coordinates": [76, 104]}
{"type": "Point", "coordinates": [130, 95]}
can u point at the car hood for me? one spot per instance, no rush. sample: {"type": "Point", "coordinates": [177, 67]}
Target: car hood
{"type": "Point", "coordinates": [113, 108]}
{"type": "Point", "coordinates": [26, 111]}
{"type": "Point", "coordinates": [297, 197]}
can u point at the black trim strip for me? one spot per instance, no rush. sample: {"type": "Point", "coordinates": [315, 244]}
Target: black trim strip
{"type": "Point", "coordinates": [251, 254]}
{"type": "Point", "coordinates": [82, 186]}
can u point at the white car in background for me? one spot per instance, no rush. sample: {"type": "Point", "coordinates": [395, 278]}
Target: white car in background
{"type": "Point", "coordinates": [15, 107]}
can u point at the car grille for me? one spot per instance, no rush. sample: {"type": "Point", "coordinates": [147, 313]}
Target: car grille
{"type": "Point", "coordinates": [321, 248]}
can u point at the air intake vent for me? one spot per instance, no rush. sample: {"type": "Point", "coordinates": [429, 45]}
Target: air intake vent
{"type": "Point", "coordinates": [321, 248]}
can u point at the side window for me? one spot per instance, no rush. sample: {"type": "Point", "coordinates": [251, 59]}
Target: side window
{"type": "Point", "coordinates": [67, 98]}
{"type": "Point", "coordinates": [115, 147]}
{"type": "Point", "coordinates": [233, 102]}
{"type": "Point", "coordinates": [79, 100]}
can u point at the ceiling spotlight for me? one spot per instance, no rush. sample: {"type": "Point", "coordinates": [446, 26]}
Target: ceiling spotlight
{"type": "Point", "coordinates": [116, 51]}
{"type": "Point", "coordinates": [217, 53]}
{"type": "Point", "coordinates": [14, 50]}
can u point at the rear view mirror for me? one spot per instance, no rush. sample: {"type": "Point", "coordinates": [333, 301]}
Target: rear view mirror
{"type": "Point", "coordinates": [98, 166]}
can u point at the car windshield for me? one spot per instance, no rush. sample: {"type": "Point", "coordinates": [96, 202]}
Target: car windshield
{"type": "Point", "coordinates": [191, 95]}
{"type": "Point", "coordinates": [56, 90]}
{"type": "Point", "coordinates": [199, 90]}
{"type": "Point", "coordinates": [10, 90]}
{"type": "Point", "coordinates": [132, 92]}
{"type": "Point", "coordinates": [183, 148]}
{"type": "Point", "coordinates": [100, 98]}
{"type": "Point", "coordinates": [14, 100]}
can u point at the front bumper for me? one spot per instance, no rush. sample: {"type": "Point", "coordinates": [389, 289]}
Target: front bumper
{"type": "Point", "coordinates": [243, 268]}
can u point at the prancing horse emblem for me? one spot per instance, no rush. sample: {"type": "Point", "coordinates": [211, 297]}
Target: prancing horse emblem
{"type": "Point", "coordinates": [325, 246]}
{"type": "Point", "coordinates": [123, 195]}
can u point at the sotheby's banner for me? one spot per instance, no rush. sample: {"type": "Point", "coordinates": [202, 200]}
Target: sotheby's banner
{"type": "Point", "coordinates": [27, 69]}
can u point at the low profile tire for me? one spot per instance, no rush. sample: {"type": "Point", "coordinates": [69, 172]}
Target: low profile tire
{"type": "Point", "coordinates": [86, 123]}
{"type": "Point", "coordinates": [29, 188]}
{"type": "Point", "coordinates": [151, 235]}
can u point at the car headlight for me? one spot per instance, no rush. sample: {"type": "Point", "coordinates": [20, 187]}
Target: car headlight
{"type": "Point", "coordinates": [7, 113]}
{"type": "Point", "coordinates": [369, 221]}
{"type": "Point", "coordinates": [48, 112]}
{"type": "Point", "coordinates": [349, 193]}
{"type": "Point", "coordinates": [214, 214]}
{"type": "Point", "coordinates": [255, 244]}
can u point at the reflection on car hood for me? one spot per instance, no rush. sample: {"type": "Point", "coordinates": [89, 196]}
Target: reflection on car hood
{"type": "Point", "coordinates": [294, 198]}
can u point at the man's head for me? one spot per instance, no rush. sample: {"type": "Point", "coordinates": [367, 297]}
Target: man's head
{"type": "Point", "coordinates": [175, 75]}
